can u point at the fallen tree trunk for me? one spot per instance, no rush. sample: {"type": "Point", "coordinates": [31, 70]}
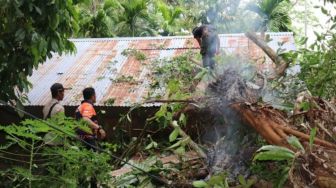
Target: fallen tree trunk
{"type": "Point", "coordinates": [272, 126]}
{"type": "Point", "coordinates": [281, 64]}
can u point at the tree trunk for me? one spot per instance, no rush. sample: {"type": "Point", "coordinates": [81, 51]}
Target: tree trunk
{"type": "Point", "coordinates": [281, 64]}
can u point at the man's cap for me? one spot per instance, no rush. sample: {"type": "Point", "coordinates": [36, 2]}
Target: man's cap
{"type": "Point", "coordinates": [56, 87]}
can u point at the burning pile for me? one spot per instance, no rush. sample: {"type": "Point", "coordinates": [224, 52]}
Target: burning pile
{"type": "Point", "coordinates": [234, 145]}
{"type": "Point", "coordinates": [239, 116]}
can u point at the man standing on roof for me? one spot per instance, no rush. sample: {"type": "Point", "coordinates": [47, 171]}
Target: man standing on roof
{"type": "Point", "coordinates": [53, 106]}
{"type": "Point", "coordinates": [87, 112]}
{"type": "Point", "coordinates": [207, 38]}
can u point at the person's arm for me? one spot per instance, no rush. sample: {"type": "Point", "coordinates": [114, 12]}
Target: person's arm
{"type": "Point", "coordinates": [91, 124]}
{"type": "Point", "coordinates": [96, 128]}
{"type": "Point", "coordinates": [218, 45]}
{"type": "Point", "coordinates": [59, 109]}
{"type": "Point", "coordinates": [199, 41]}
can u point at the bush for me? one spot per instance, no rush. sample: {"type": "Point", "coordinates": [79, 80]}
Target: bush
{"type": "Point", "coordinates": [33, 163]}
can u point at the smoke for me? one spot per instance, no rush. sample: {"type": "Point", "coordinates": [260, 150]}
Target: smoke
{"type": "Point", "coordinates": [234, 80]}
{"type": "Point", "coordinates": [234, 16]}
{"type": "Point", "coordinates": [232, 141]}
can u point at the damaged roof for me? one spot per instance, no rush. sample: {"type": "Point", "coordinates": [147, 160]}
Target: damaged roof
{"type": "Point", "coordinates": [103, 64]}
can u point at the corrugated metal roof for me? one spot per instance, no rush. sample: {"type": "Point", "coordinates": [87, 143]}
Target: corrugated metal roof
{"type": "Point", "coordinates": [100, 62]}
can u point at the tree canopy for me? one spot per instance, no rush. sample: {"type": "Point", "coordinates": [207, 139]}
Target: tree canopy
{"type": "Point", "coordinates": [30, 32]}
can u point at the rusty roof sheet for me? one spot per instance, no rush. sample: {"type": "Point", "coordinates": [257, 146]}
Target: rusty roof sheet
{"type": "Point", "coordinates": [101, 64]}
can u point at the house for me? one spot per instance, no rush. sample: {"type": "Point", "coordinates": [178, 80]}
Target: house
{"type": "Point", "coordinates": [103, 62]}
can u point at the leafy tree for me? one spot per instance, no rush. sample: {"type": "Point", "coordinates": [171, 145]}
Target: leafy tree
{"type": "Point", "coordinates": [274, 14]}
{"type": "Point", "coordinates": [95, 25]}
{"type": "Point", "coordinates": [170, 14]}
{"type": "Point", "coordinates": [134, 19]}
{"type": "Point", "coordinates": [318, 62]}
{"type": "Point", "coordinates": [95, 18]}
{"type": "Point", "coordinates": [221, 13]}
{"type": "Point", "coordinates": [30, 31]}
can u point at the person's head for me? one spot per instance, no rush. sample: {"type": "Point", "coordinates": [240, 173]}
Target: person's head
{"type": "Point", "coordinates": [197, 32]}
{"type": "Point", "coordinates": [89, 94]}
{"type": "Point", "coordinates": [57, 91]}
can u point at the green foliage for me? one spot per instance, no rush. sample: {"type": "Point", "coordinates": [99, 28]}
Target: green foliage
{"type": "Point", "coordinates": [277, 153]}
{"type": "Point", "coordinates": [30, 31]}
{"type": "Point", "coordinates": [223, 14]}
{"type": "Point", "coordinates": [283, 91]}
{"type": "Point", "coordinates": [179, 146]}
{"type": "Point", "coordinates": [217, 181]}
{"type": "Point", "coordinates": [200, 184]}
{"type": "Point", "coordinates": [317, 62]}
{"type": "Point", "coordinates": [110, 101]}
{"type": "Point", "coordinates": [280, 157]}
{"type": "Point", "coordinates": [177, 75]}
{"type": "Point", "coordinates": [274, 14]}
{"type": "Point", "coordinates": [293, 141]}
{"type": "Point", "coordinates": [94, 25]}
{"type": "Point", "coordinates": [152, 144]}
{"type": "Point", "coordinates": [171, 16]}
{"type": "Point", "coordinates": [138, 55]}
{"type": "Point", "coordinates": [245, 183]}
{"type": "Point", "coordinates": [37, 164]}
{"type": "Point", "coordinates": [318, 68]}
{"type": "Point", "coordinates": [125, 79]}
{"type": "Point", "coordinates": [173, 135]}
{"type": "Point", "coordinates": [134, 20]}
{"type": "Point", "coordinates": [137, 178]}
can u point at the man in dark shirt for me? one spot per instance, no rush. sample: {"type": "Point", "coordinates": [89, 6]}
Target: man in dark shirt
{"type": "Point", "coordinates": [209, 42]}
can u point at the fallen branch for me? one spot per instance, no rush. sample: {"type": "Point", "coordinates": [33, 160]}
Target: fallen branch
{"type": "Point", "coordinates": [199, 64]}
{"type": "Point", "coordinates": [321, 126]}
{"type": "Point", "coordinates": [281, 64]}
{"type": "Point", "coordinates": [188, 156]}
{"type": "Point", "coordinates": [191, 143]}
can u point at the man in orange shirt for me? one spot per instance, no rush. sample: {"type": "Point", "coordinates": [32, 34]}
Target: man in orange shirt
{"type": "Point", "coordinates": [87, 112]}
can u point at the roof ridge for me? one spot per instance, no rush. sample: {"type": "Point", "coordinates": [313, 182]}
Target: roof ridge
{"type": "Point", "coordinates": [167, 37]}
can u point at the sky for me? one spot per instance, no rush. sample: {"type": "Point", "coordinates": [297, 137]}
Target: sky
{"type": "Point", "coordinates": [321, 18]}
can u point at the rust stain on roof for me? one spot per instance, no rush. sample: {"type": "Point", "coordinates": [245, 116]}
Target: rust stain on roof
{"type": "Point", "coordinates": [125, 79]}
